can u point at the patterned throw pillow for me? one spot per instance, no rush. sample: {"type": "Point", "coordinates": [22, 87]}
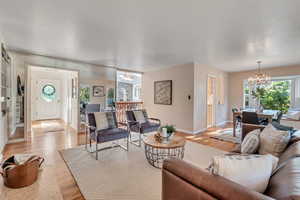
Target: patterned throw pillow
{"type": "Point", "coordinates": [273, 141]}
{"type": "Point", "coordinates": [101, 120]}
{"type": "Point", "coordinates": [111, 120]}
{"type": "Point", "coordinates": [250, 143]}
{"type": "Point", "coordinates": [240, 169]}
{"type": "Point", "coordinates": [139, 116]}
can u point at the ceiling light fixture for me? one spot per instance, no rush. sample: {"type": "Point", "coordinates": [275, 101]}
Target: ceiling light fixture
{"type": "Point", "coordinates": [259, 78]}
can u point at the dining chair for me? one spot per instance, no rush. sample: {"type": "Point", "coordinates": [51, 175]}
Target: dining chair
{"type": "Point", "coordinates": [252, 118]}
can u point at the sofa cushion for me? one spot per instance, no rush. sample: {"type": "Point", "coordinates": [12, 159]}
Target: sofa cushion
{"type": "Point", "coordinates": [273, 141]}
{"type": "Point", "coordinates": [239, 169]}
{"type": "Point", "coordinates": [250, 143]}
{"type": "Point", "coordinates": [110, 134]}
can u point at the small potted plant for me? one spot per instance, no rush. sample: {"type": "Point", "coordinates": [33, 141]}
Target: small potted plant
{"type": "Point", "coordinates": [167, 130]}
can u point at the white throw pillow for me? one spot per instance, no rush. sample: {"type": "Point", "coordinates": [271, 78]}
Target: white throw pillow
{"type": "Point", "coordinates": [139, 116]}
{"type": "Point", "coordinates": [101, 120]}
{"type": "Point", "coordinates": [293, 114]}
{"type": "Point", "coordinates": [251, 171]}
{"type": "Point", "coordinates": [250, 143]}
{"type": "Point", "coordinates": [273, 141]}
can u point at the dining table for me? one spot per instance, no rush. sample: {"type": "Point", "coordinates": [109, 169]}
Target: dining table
{"type": "Point", "coordinates": [266, 114]}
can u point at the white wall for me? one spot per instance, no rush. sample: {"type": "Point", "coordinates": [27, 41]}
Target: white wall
{"type": "Point", "coordinates": [3, 128]}
{"type": "Point", "coordinates": [180, 113]}
{"type": "Point", "coordinates": [201, 73]}
{"type": "Point", "coordinates": [188, 79]}
{"type": "Point", "coordinates": [86, 71]}
{"type": "Point", "coordinates": [98, 82]}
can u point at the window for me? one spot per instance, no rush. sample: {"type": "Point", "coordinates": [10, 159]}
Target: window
{"type": "Point", "coordinates": [84, 94]}
{"type": "Point", "coordinates": [128, 86]}
{"type": "Point", "coordinates": [48, 92]}
{"type": "Point", "coordinates": [246, 95]}
{"type": "Point", "coordinates": [276, 96]}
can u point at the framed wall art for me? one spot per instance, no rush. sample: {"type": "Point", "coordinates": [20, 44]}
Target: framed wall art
{"type": "Point", "coordinates": [98, 91]}
{"type": "Point", "coordinates": [163, 92]}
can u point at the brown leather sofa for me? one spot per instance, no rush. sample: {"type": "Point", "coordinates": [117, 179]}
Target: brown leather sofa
{"type": "Point", "coordinates": [183, 181]}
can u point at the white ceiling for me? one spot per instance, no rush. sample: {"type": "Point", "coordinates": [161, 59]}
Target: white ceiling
{"type": "Point", "coordinates": [146, 34]}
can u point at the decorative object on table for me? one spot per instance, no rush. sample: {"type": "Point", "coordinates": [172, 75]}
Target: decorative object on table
{"type": "Point", "coordinates": [156, 152]}
{"type": "Point", "coordinates": [21, 170]}
{"type": "Point", "coordinates": [158, 137]}
{"type": "Point", "coordinates": [166, 131]}
{"type": "Point", "coordinates": [259, 78]}
{"type": "Point", "coordinates": [163, 92]}
{"type": "Point", "coordinates": [98, 91]}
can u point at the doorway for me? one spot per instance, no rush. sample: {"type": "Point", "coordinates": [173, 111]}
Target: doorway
{"type": "Point", "coordinates": [52, 99]}
{"type": "Point", "coordinates": [48, 99]}
{"type": "Point", "coordinates": [211, 103]}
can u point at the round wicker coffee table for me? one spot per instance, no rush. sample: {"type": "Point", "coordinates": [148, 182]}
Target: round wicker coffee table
{"type": "Point", "coordinates": [156, 152]}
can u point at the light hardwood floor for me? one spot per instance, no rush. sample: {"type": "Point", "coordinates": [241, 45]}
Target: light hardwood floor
{"type": "Point", "coordinates": [47, 144]}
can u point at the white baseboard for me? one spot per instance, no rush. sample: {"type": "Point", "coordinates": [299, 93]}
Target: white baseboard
{"type": "Point", "coordinates": [16, 140]}
{"type": "Point", "coordinates": [191, 132]}
{"type": "Point", "coordinates": [222, 123]}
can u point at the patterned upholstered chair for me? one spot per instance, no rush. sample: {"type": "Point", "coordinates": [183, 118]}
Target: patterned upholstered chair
{"type": "Point", "coordinates": [141, 127]}
{"type": "Point", "coordinates": [112, 133]}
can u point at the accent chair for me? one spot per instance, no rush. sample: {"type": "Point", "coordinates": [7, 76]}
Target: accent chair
{"type": "Point", "coordinates": [112, 133]}
{"type": "Point", "coordinates": [141, 127]}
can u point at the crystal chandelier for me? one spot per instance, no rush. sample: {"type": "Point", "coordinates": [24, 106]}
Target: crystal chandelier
{"type": "Point", "coordinates": [259, 78]}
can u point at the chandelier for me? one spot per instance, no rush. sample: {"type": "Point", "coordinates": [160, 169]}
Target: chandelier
{"type": "Point", "coordinates": [259, 78]}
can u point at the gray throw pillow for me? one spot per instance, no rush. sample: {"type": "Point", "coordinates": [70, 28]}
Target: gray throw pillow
{"type": "Point", "coordinates": [273, 141]}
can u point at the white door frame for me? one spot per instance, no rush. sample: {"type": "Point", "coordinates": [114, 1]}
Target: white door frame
{"type": "Point", "coordinates": [214, 100]}
{"type": "Point", "coordinates": [27, 113]}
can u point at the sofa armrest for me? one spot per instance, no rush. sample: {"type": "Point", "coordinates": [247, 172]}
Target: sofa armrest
{"type": "Point", "coordinates": [181, 180]}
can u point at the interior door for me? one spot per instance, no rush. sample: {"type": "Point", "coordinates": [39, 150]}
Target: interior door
{"type": "Point", "coordinates": [48, 99]}
{"type": "Point", "coordinates": [211, 101]}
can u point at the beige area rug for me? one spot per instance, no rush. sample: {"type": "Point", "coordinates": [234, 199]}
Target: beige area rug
{"type": "Point", "coordinates": [227, 136]}
{"type": "Point", "coordinates": [125, 175]}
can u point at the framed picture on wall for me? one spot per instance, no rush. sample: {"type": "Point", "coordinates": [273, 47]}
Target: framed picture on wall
{"type": "Point", "coordinates": [163, 92]}
{"type": "Point", "coordinates": [98, 91]}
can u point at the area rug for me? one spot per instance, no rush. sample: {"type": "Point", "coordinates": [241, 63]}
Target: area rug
{"type": "Point", "coordinates": [122, 175]}
{"type": "Point", "coordinates": [227, 136]}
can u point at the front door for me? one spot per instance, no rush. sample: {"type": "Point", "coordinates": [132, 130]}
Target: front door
{"type": "Point", "coordinates": [48, 101]}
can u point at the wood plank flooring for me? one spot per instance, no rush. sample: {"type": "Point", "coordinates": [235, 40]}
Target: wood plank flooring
{"type": "Point", "coordinates": [47, 144]}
